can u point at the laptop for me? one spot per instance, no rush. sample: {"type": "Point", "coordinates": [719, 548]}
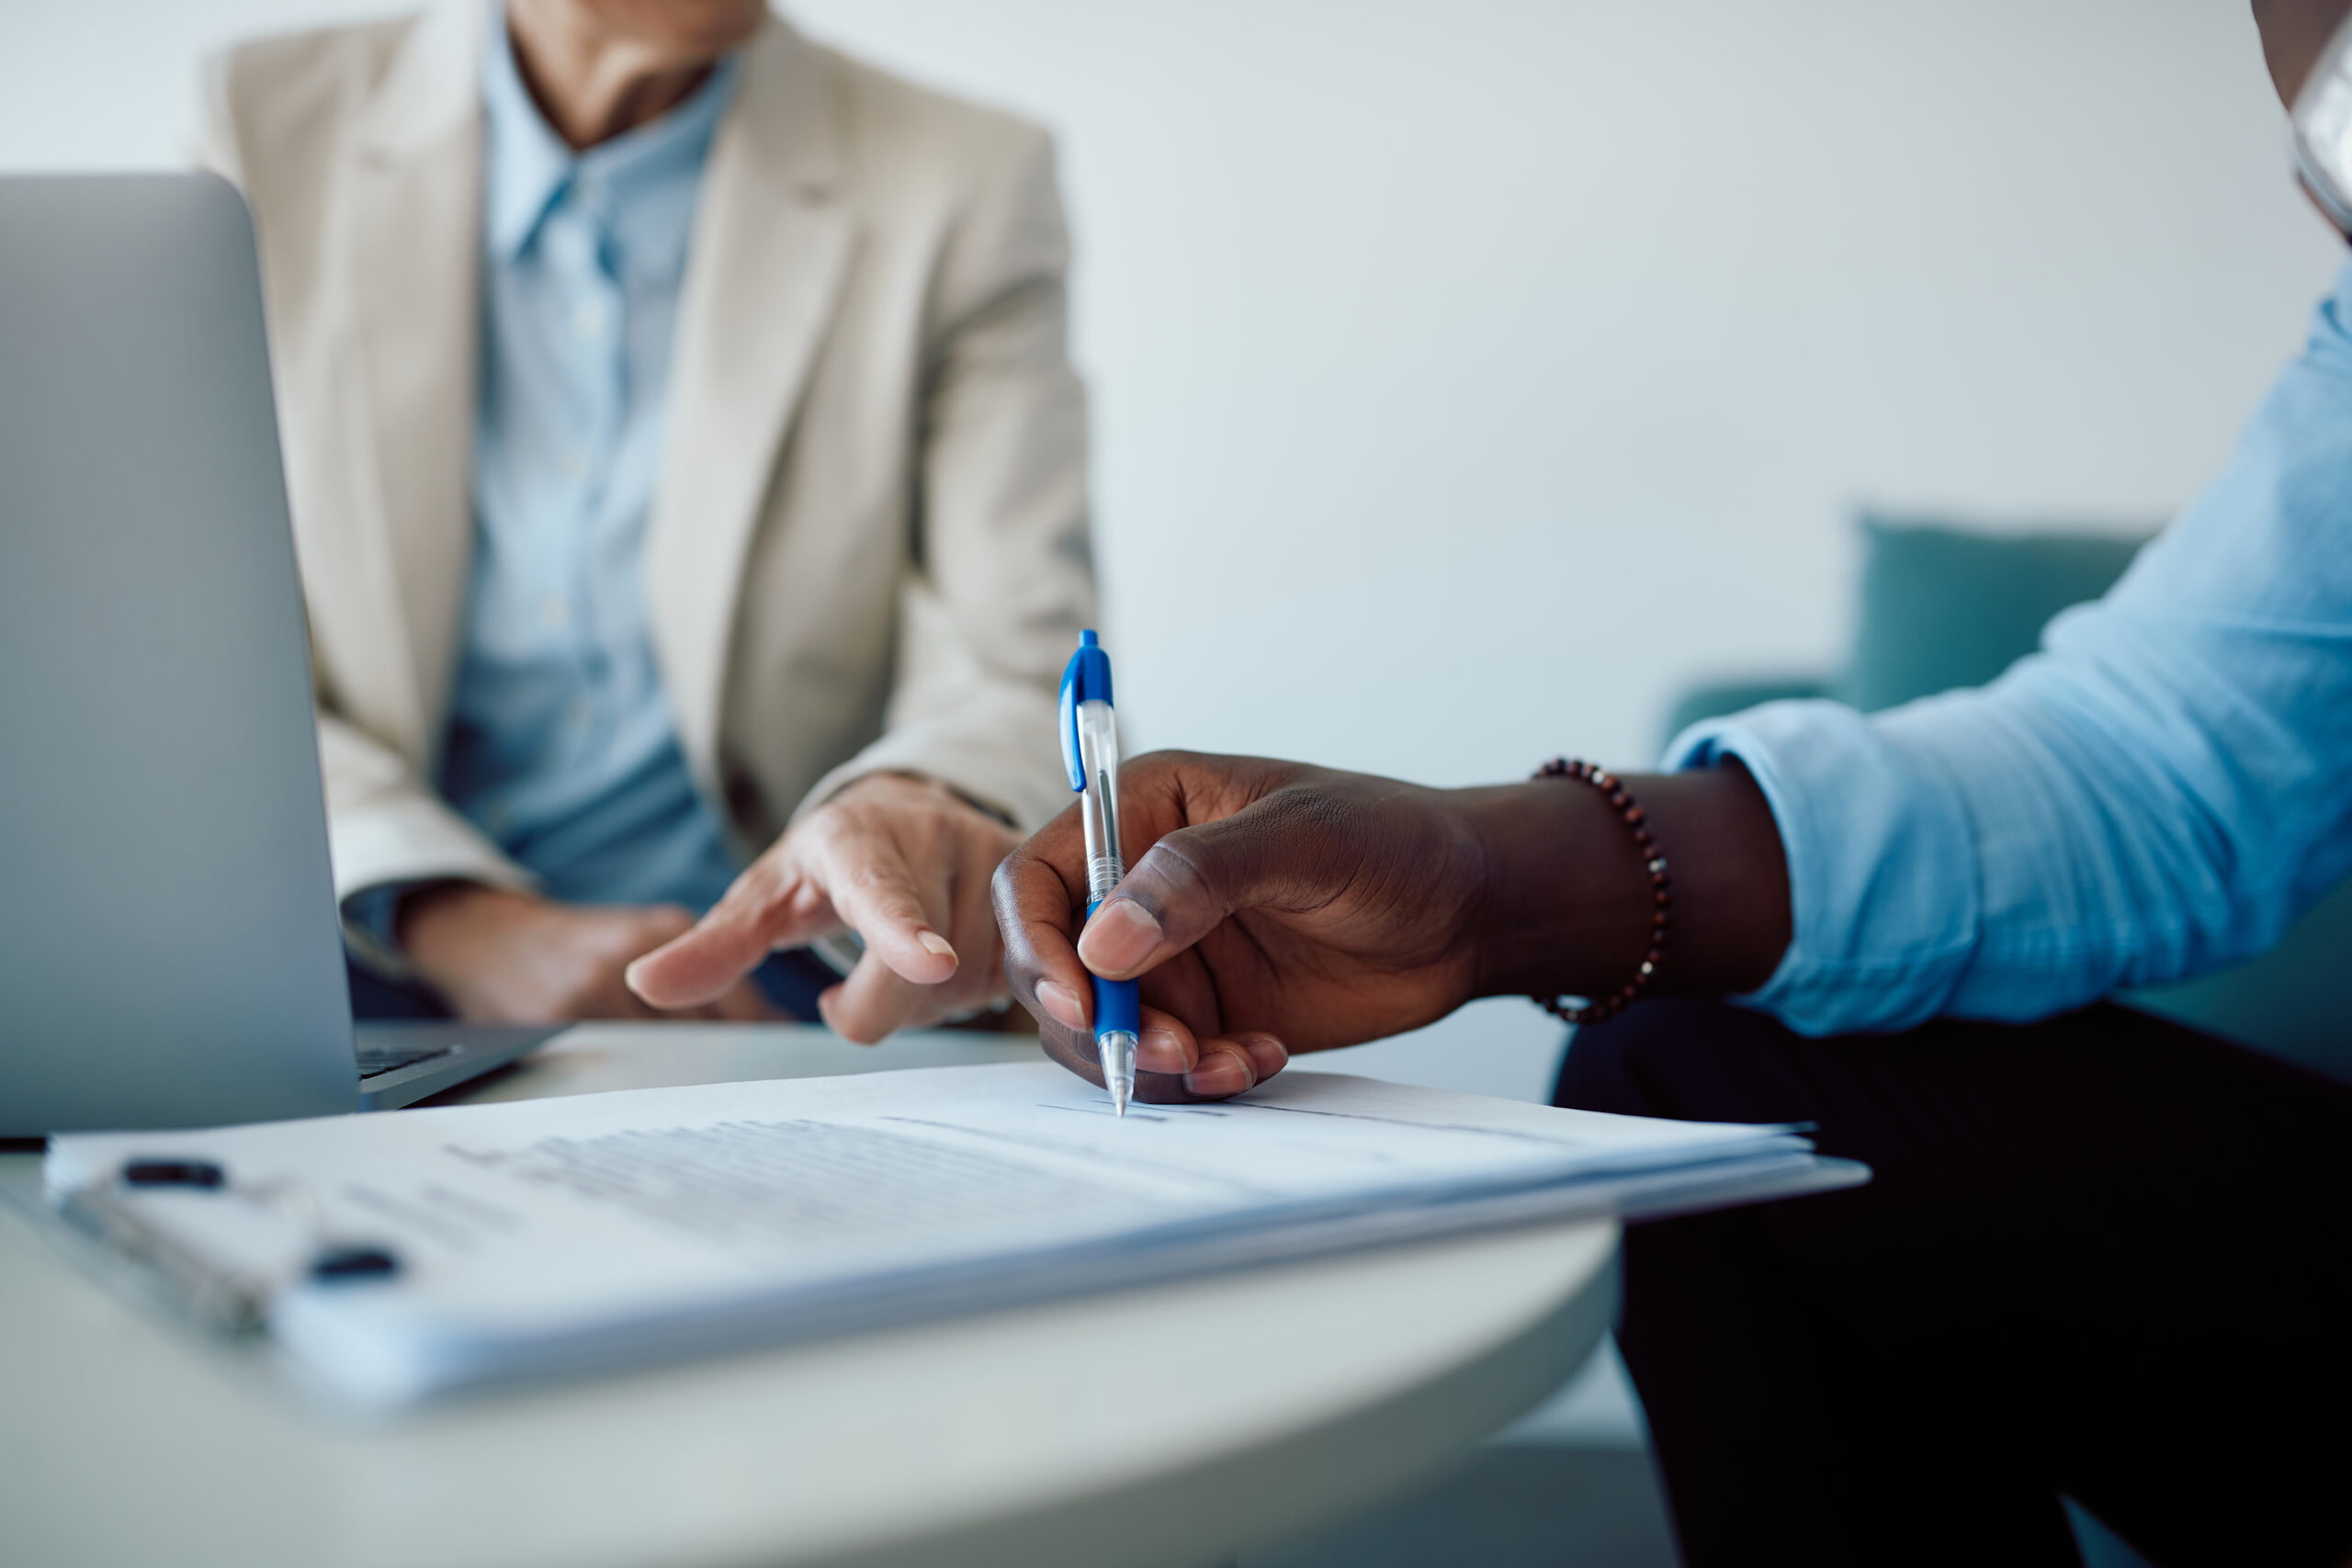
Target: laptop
{"type": "Point", "coordinates": [171, 953]}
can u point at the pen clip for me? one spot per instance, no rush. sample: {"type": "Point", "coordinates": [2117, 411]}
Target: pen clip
{"type": "Point", "coordinates": [1070, 761]}
{"type": "Point", "coordinates": [1085, 679]}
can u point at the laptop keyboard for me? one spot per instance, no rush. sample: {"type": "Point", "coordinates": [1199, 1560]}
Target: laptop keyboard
{"type": "Point", "coordinates": [375, 1060]}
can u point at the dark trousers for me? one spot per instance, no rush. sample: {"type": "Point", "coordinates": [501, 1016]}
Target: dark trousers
{"type": "Point", "coordinates": [2102, 1255]}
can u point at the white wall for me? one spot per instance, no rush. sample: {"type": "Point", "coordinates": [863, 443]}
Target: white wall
{"type": "Point", "coordinates": [1494, 368]}
{"type": "Point", "coordinates": [1472, 375]}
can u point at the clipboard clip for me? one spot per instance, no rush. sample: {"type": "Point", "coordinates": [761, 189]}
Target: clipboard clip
{"type": "Point", "coordinates": [229, 1293]}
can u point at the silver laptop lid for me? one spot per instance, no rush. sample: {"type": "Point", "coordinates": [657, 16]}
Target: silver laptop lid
{"type": "Point", "coordinates": [169, 949]}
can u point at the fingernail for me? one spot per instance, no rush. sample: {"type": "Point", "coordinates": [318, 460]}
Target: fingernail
{"type": "Point", "coordinates": [1220, 1072]}
{"type": "Point", "coordinates": [1268, 1055]}
{"type": "Point", "coordinates": [1160, 1050]}
{"type": "Point", "coordinates": [1120, 936]}
{"type": "Point", "coordinates": [937, 943]}
{"type": "Point", "coordinates": [1058, 1000]}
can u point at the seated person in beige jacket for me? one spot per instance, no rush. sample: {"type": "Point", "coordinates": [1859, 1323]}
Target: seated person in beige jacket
{"type": "Point", "coordinates": [688, 478]}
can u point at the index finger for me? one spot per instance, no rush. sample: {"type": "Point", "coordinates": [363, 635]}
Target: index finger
{"type": "Point", "coordinates": [877, 894]}
{"type": "Point", "coordinates": [764, 906]}
{"type": "Point", "coordinates": [1038, 890]}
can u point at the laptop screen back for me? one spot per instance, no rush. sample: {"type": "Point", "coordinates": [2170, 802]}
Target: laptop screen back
{"type": "Point", "coordinates": [169, 949]}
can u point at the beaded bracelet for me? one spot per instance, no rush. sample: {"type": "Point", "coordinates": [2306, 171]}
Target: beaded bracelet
{"type": "Point", "coordinates": [1621, 800]}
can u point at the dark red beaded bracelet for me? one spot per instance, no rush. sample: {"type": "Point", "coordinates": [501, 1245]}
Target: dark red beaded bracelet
{"type": "Point", "coordinates": [1592, 1009]}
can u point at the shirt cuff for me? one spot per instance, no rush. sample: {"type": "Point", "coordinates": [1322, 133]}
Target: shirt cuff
{"type": "Point", "coordinates": [1882, 892]}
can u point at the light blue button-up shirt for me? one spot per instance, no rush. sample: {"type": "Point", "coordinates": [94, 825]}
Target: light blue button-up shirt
{"type": "Point", "coordinates": [2158, 793]}
{"type": "Point", "coordinates": [561, 745]}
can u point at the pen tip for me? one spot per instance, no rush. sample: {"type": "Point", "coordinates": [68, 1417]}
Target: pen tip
{"type": "Point", "coordinates": [1117, 1050]}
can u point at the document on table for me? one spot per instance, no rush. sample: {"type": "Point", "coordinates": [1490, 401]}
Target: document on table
{"type": "Point", "coordinates": [504, 1242]}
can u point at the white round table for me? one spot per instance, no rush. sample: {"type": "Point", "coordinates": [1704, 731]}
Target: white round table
{"type": "Point", "coordinates": [1164, 1425]}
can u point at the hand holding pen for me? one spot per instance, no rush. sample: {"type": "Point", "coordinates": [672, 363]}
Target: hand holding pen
{"type": "Point", "coordinates": [1276, 908]}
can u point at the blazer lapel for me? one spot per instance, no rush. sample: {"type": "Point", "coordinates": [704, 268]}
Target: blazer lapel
{"type": "Point", "coordinates": [765, 262]}
{"type": "Point", "coordinates": [415, 222]}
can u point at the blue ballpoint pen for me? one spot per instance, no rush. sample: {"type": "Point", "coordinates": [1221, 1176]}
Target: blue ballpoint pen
{"type": "Point", "coordinates": [1090, 751]}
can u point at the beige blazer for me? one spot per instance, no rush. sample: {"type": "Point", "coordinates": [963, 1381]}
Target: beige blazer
{"type": "Point", "coordinates": [868, 547]}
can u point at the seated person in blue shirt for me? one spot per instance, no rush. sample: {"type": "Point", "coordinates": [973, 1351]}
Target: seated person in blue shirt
{"type": "Point", "coordinates": [689, 479]}
{"type": "Point", "coordinates": [2103, 1256]}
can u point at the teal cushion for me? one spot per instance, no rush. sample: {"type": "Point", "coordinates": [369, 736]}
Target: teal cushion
{"type": "Point", "coordinates": [1944, 608]}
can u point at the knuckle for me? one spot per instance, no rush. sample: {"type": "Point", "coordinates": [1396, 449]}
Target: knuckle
{"type": "Point", "coordinates": [1188, 865]}
{"type": "Point", "coordinates": [827, 828]}
{"type": "Point", "coordinates": [764, 885]}
{"type": "Point", "coordinates": [922, 835]}
{"type": "Point", "coordinates": [1307, 812]}
{"type": "Point", "coordinates": [883, 887]}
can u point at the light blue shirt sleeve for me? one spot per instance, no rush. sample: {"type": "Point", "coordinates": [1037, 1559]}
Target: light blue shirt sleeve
{"type": "Point", "coordinates": [2159, 792]}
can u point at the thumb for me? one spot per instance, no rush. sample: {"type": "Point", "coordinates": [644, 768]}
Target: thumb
{"type": "Point", "coordinates": [1265, 854]}
{"type": "Point", "coordinates": [728, 942]}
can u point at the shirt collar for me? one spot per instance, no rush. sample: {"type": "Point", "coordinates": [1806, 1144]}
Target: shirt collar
{"type": "Point", "coordinates": [530, 168]}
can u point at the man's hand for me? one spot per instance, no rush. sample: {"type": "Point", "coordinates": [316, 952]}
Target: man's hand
{"type": "Point", "coordinates": [502, 957]}
{"type": "Point", "coordinates": [900, 860]}
{"type": "Point", "coordinates": [1272, 907]}
{"type": "Point", "coordinates": [1276, 908]}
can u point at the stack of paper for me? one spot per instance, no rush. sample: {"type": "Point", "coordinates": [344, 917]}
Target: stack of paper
{"type": "Point", "coordinates": [480, 1243]}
